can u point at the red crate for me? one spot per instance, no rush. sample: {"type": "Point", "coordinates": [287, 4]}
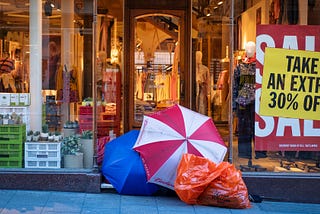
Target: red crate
{"type": "Point", "coordinates": [85, 126]}
{"type": "Point", "coordinates": [85, 110]}
{"type": "Point", "coordinates": [104, 131]}
{"type": "Point", "coordinates": [85, 118]}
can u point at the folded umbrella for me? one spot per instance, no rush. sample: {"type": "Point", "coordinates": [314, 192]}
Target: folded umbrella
{"type": "Point", "coordinates": [123, 167]}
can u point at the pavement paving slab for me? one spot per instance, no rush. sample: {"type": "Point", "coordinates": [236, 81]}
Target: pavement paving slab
{"type": "Point", "coordinates": [52, 202]}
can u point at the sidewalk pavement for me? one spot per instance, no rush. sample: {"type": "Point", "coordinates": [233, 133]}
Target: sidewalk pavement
{"type": "Point", "coordinates": [109, 202]}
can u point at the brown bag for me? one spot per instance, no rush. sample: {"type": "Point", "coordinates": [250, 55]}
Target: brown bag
{"type": "Point", "coordinates": [200, 181]}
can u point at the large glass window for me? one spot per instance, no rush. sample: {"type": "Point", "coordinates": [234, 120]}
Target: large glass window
{"type": "Point", "coordinates": [234, 73]}
{"type": "Point", "coordinates": [14, 81]}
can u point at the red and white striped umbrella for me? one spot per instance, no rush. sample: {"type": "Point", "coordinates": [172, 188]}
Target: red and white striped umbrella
{"type": "Point", "coordinates": [168, 134]}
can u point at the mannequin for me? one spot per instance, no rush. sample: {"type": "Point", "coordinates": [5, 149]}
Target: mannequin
{"type": "Point", "coordinates": [244, 99]}
{"type": "Point", "coordinates": [203, 85]}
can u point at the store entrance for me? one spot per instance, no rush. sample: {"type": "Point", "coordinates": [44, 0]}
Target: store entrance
{"type": "Point", "coordinates": [157, 71]}
{"type": "Point", "coordinates": [156, 64]}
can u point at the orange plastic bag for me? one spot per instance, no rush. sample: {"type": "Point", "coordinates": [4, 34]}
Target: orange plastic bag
{"type": "Point", "coordinates": [200, 181]}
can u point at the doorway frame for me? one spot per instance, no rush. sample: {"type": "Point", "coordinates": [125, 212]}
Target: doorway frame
{"type": "Point", "coordinates": [134, 9]}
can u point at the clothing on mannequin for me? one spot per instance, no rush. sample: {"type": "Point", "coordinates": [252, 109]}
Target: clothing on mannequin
{"type": "Point", "coordinates": [7, 66]}
{"type": "Point", "coordinates": [244, 103]}
{"type": "Point", "coordinates": [203, 85]}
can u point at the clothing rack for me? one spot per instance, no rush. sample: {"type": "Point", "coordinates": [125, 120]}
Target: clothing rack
{"type": "Point", "coordinates": [154, 68]}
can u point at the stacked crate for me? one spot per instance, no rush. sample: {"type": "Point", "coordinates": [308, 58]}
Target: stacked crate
{"type": "Point", "coordinates": [12, 138]}
{"type": "Point", "coordinates": [85, 117]}
{"type": "Point", "coordinates": [86, 120]}
{"type": "Point", "coordinates": [42, 155]}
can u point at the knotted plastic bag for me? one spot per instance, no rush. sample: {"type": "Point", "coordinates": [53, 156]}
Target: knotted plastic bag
{"type": "Point", "coordinates": [201, 181]}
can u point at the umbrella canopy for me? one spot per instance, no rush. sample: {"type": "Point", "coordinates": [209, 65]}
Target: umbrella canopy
{"type": "Point", "coordinates": [168, 134]}
{"type": "Point", "coordinates": [123, 167]}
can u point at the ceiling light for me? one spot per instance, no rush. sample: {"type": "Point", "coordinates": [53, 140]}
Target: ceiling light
{"type": "Point", "coordinates": [220, 2]}
{"type": "Point", "coordinates": [207, 11]}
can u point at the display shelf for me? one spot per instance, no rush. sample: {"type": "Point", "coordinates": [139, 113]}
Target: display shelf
{"type": "Point", "coordinates": [53, 113]}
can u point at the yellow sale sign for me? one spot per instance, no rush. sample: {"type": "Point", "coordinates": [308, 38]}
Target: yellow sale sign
{"type": "Point", "coordinates": [291, 84]}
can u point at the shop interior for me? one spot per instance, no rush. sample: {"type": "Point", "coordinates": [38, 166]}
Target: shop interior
{"type": "Point", "coordinates": [157, 69]}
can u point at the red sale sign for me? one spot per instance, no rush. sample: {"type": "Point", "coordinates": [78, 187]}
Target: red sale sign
{"type": "Point", "coordinates": [279, 133]}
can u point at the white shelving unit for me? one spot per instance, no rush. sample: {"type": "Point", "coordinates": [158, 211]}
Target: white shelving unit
{"type": "Point", "coordinates": [42, 155]}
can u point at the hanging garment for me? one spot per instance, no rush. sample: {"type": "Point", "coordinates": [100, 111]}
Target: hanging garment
{"type": "Point", "coordinates": [149, 86]}
{"type": "Point", "coordinates": [174, 84]}
{"type": "Point", "coordinates": [72, 79]}
{"type": "Point", "coordinates": [289, 12]}
{"type": "Point", "coordinates": [139, 85]}
{"type": "Point", "coordinates": [6, 65]}
{"type": "Point", "coordinates": [103, 35]}
{"type": "Point", "coordinates": [293, 12]}
{"type": "Point", "coordinates": [8, 82]}
{"type": "Point", "coordinates": [110, 84]}
{"type": "Point", "coordinates": [276, 9]}
{"type": "Point", "coordinates": [162, 82]}
{"type": "Point", "coordinates": [53, 67]}
{"type": "Point", "coordinates": [59, 83]}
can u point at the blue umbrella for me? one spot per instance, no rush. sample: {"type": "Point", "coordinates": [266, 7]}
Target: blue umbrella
{"type": "Point", "coordinates": [123, 167]}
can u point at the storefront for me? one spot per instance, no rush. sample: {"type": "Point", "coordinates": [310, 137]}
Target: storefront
{"type": "Point", "coordinates": [72, 66]}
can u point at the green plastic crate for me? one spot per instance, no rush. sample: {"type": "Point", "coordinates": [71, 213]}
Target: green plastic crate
{"type": "Point", "coordinates": [12, 133]}
{"type": "Point", "coordinates": [11, 155]}
{"type": "Point", "coordinates": [14, 129]}
{"type": "Point", "coordinates": [10, 163]}
{"type": "Point", "coordinates": [12, 146]}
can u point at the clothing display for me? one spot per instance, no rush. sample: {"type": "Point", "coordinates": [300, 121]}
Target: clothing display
{"type": "Point", "coordinates": [203, 85]}
{"type": "Point", "coordinates": [243, 105]}
{"type": "Point", "coordinates": [174, 86]}
{"type": "Point", "coordinates": [67, 80]}
{"type": "Point", "coordinates": [7, 65]}
{"type": "Point", "coordinates": [110, 81]}
{"type": "Point", "coordinates": [162, 84]}
{"type": "Point", "coordinates": [155, 83]}
{"type": "Point", "coordinates": [223, 91]}
{"type": "Point", "coordinates": [140, 78]}
{"type": "Point", "coordinates": [243, 100]}
{"type": "Point", "coordinates": [289, 12]}
{"type": "Point", "coordinates": [53, 64]}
